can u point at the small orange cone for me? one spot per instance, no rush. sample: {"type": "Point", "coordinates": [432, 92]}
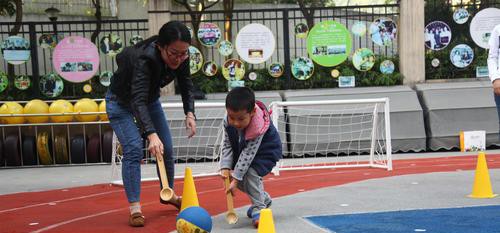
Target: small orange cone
{"type": "Point", "coordinates": [266, 223]}
{"type": "Point", "coordinates": [189, 194]}
{"type": "Point", "coordinates": [482, 184]}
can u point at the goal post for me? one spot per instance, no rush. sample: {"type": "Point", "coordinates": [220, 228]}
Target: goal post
{"type": "Point", "coordinates": [333, 133]}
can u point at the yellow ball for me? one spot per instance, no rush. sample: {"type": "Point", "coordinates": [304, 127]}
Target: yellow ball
{"type": "Point", "coordinates": [86, 105]}
{"type": "Point", "coordinates": [61, 106]}
{"type": "Point", "coordinates": [12, 108]}
{"type": "Point", "coordinates": [102, 108]}
{"type": "Point", "coordinates": [36, 107]}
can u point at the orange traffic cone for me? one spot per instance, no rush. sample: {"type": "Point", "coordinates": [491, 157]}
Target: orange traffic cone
{"type": "Point", "coordinates": [482, 184]}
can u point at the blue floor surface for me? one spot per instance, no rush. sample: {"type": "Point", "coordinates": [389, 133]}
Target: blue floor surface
{"type": "Point", "coordinates": [483, 219]}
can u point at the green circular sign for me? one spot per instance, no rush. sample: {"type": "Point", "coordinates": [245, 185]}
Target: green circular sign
{"type": "Point", "coordinates": [4, 81]}
{"type": "Point", "coordinates": [51, 85]}
{"type": "Point", "coordinates": [329, 43]}
{"type": "Point", "coordinates": [22, 82]}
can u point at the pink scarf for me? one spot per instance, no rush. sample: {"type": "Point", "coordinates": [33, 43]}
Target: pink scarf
{"type": "Point", "coordinates": [259, 122]}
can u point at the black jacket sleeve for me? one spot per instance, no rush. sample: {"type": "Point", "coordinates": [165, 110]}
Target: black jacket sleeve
{"type": "Point", "coordinates": [186, 87]}
{"type": "Point", "coordinates": [141, 79]}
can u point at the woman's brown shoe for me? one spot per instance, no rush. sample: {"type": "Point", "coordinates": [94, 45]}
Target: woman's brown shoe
{"type": "Point", "coordinates": [136, 220]}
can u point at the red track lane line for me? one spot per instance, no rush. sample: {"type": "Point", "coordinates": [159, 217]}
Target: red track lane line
{"type": "Point", "coordinates": [103, 213]}
{"type": "Point", "coordinates": [374, 173]}
{"type": "Point", "coordinates": [20, 198]}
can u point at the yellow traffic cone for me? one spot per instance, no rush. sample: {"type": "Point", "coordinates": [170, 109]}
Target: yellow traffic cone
{"type": "Point", "coordinates": [266, 223]}
{"type": "Point", "coordinates": [482, 184]}
{"type": "Point", "coordinates": [189, 194]}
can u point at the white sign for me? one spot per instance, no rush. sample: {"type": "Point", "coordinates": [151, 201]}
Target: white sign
{"type": "Point", "coordinates": [473, 140]}
{"type": "Point", "coordinates": [347, 81]}
{"type": "Point", "coordinates": [482, 24]}
{"type": "Point", "coordinates": [255, 43]}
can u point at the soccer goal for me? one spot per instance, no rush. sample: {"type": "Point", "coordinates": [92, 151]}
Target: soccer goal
{"type": "Point", "coordinates": [200, 153]}
{"type": "Point", "coordinates": [333, 133]}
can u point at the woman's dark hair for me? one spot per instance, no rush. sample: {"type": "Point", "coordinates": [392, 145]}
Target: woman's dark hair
{"type": "Point", "coordinates": [169, 32]}
{"type": "Point", "coordinates": [240, 98]}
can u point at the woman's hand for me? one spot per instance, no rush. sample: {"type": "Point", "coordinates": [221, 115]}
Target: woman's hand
{"type": "Point", "coordinates": [155, 145]}
{"type": "Point", "coordinates": [496, 86]}
{"type": "Point", "coordinates": [190, 124]}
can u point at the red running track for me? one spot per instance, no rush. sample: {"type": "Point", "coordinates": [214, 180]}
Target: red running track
{"type": "Point", "coordinates": [103, 208]}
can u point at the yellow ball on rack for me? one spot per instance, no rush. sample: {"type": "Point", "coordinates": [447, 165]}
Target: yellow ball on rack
{"type": "Point", "coordinates": [36, 106]}
{"type": "Point", "coordinates": [61, 106]}
{"type": "Point", "coordinates": [86, 105]}
{"type": "Point", "coordinates": [102, 108]}
{"type": "Point", "coordinates": [12, 108]}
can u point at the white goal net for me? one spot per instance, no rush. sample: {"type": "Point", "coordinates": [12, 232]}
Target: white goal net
{"type": "Point", "coordinates": [333, 133]}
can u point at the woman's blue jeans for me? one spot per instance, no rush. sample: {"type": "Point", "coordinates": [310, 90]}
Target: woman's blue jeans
{"type": "Point", "coordinates": [129, 135]}
{"type": "Point", "coordinates": [497, 101]}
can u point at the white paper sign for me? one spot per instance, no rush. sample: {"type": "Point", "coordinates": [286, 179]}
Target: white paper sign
{"type": "Point", "coordinates": [255, 43]}
{"type": "Point", "coordinates": [474, 140]}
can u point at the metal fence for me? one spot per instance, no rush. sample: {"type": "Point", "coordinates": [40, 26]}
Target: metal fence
{"type": "Point", "coordinates": [441, 10]}
{"type": "Point", "coordinates": [282, 22]}
{"type": "Point", "coordinates": [40, 62]}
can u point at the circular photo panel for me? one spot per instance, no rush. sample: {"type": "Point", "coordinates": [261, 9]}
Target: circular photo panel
{"type": "Point", "coordinates": [302, 68]}
{"type": "Point", "coordinates": [22, 82]}
{"type": "Point", "coordinates": [76, 59]}
{"type": "Point", "coordinates": [252, 76]}
{"type": "Point", "coordinates": [233, 69]}
{"type": "Point", "coordinates": [209, 34]}
{"type": "Point", "coordinates": [49, 41]}
{"type": "Point", "coordinates": [275, 70]}
{"type": "Point", "coordinates": [195, 59]}
{"type": "Point", "coordinates": [210, 68]}
{"type": "Point", "coordinates": [435, 62]}
{"type": "Point", "coordinates": [105, 78]}
{"type": "Point", "coordinates": [335, 73]}
{"type": "Point", "coordinates": [387, 67]}
{"type": "Point", "coordinates": [460, 16]}
{"type": "Point", "coordinates": [461, 55]}
{"type": "Point", "coordinates": [87, 88]}
{"type": "Point", "coordinates": [358, 29]}
{"type": "Point", "coordinates": [363, 59]}
{"type": "Point", "coordinates": [51, 85]}
{"type": "Point", "coordinates": [383, 31]}
{"type": "Point", "coordinates": [255, 43]}
{"type": "Point", "coordinates": [301, 30]}
{"type": "Point", "coordinates": [482, 24]}
{"type": "Point", "coordinates": [437, 35]}
{"type": "Point", "coordinates": [135, 39]}
{"type": "Point", "coordinates": [15, 50]}
{"type": "Point", "coordinates": [329, 43]}
{"type": "Point", "coordinates": [225, 48]}
{"type": "Point", "coordinates": [4, 82]}
{"type": "Point", "coordinates": [111, 45]}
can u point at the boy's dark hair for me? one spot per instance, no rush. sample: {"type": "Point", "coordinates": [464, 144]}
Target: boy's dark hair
{"type": "Point", "coordinates": [240, 98]}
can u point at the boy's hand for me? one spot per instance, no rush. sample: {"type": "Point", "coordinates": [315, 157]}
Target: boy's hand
{"type": "Point", "coordinates": [224, 173]}
{"type": "Point", "coordinates": [232, 187]}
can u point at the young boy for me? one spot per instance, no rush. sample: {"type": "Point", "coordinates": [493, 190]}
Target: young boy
{"type": "Point", "coordinates": [252, 147]}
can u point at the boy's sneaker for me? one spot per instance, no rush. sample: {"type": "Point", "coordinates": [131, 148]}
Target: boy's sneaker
{"type": "Point", "coordinates": [255, 219]}
{"type": "Point", "coordinates": [250, 210]}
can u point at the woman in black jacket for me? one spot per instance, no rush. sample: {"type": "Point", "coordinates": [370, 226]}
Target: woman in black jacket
{"type": "Point", "coordinates": [134, 109]}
